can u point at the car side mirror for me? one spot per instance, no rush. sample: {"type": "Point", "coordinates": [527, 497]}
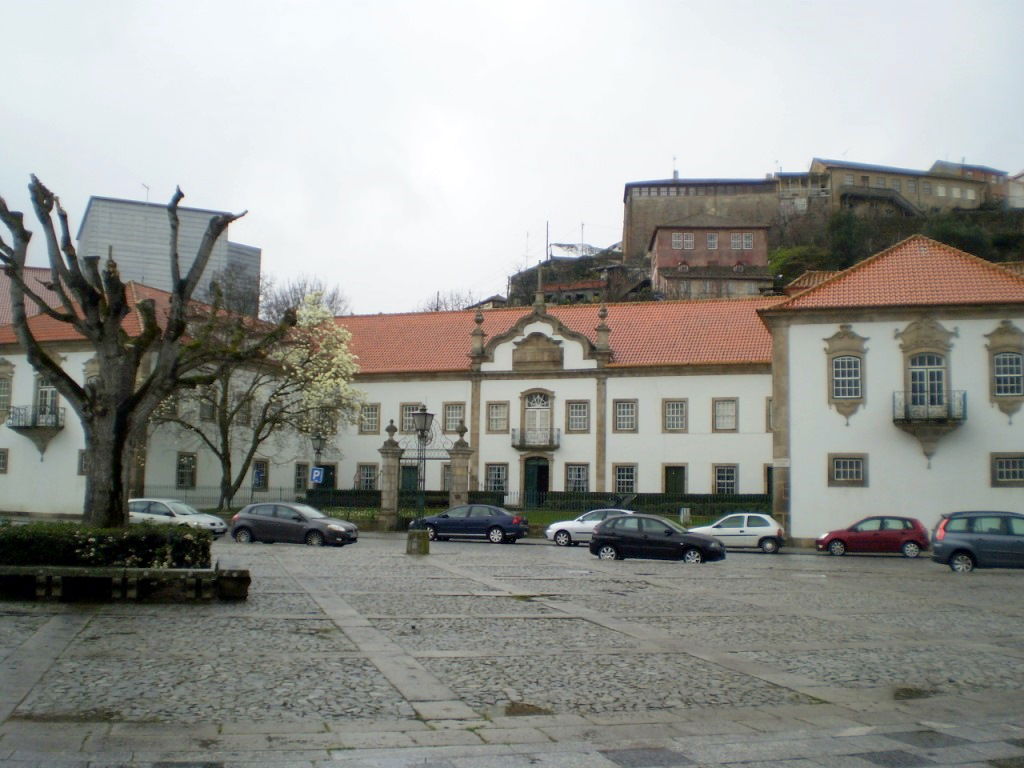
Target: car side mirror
{"type": "Point", "coordinates": [444, 515]}
{"type": "Point", "coordinates": [297, 518]}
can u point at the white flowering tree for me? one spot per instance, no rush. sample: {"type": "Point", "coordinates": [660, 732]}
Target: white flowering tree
{"type": "Point", "coordinates": [303, 385]}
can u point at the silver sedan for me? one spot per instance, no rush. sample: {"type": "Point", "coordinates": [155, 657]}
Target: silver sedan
{"type": "Point", "coordinates": [567, 533]}
{"type": "Point", "coordinates": [174, 512]}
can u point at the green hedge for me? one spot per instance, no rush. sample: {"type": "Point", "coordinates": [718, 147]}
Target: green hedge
{"type": "Point", "coordinates": [138, 546]}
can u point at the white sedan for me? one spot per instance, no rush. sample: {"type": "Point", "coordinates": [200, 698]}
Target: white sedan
{"type": "Point", "coordinates": [174, 512]}
{"type": "Point", "coordinates": [746, 529]}
{"type": "Point", "coordinates": [567, 533]}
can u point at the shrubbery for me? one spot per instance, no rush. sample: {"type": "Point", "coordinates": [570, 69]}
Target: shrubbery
{"type": "Point", "coordinates": [71, 544]}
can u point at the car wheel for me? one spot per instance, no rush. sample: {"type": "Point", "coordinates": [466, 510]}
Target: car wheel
{"type": "Point", "coordinates": [432, 533]}
{"type": "Point", "coordinates": [495, 535]}
{"type": "Point", "coordinates": [244, 536]}
{"type": "Point", "coordinates": [769, 545]}
{"type": "Point", "coordinates": [607, 552]}
{"type": "Point", "coordinates": [836, 547]}
{"type": "Point", "coordinates": [693, 556]}
{"type": "Point", "coordinates": [962, 562]}
{"type": "Point", "coordinates": [563, 539]}
{"type": "Point", "coordinates": [314, 539]}
{"type": "Point", "coordinates": [910, 549]}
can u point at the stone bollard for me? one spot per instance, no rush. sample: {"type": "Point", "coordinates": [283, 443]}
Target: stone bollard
{"type": "Point", "coordinates": [417, 543]}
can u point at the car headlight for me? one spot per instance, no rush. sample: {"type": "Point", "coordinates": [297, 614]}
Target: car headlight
{"type": "Point", "coordinates": [716, 545]}
{"type": "Point", "coordinates": [337, 528]}
{"type": "Point", "coordinates": [823, 536]}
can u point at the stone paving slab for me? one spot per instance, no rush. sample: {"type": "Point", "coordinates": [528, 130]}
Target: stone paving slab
{"type": "Point", "coordinates": [479, 655]}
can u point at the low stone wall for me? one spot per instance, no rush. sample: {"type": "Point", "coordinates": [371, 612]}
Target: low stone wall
{"type": "Point", "coordinates": [74, 584]}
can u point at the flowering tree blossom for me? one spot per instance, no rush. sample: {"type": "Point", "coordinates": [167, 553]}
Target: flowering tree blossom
{"type": "Point", "coordinates": [302, 385]}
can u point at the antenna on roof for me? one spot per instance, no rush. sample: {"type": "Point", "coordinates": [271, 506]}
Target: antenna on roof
{"type": "Point", "coordinates": [147, 191]}
{"type": "Point", "coordinates": [675, 171]}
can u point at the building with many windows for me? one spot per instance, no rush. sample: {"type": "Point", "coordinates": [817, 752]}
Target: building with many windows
{"type": "Point", "coordinates": [897, 384]}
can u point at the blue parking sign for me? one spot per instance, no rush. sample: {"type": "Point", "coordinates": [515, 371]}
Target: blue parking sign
{"type": "Point", "coordinates": [316, 475]}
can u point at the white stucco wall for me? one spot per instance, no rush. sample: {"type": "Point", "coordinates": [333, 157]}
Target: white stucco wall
{"type": "Point", "coordinates": [46, 483]}
{"type": "Point", "coordinates": [900, 480]}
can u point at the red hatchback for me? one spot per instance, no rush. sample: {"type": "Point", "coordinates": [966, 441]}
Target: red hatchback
{"type": "Point", "coordinates": [905, 535]}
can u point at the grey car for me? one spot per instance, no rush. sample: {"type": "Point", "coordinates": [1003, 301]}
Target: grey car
{"type": "Point", "coordinates": [174, 512]}
{"type": "Point", "coordinates": [968, 540]}
{"type": "Point", "coordinates": [291, 522]}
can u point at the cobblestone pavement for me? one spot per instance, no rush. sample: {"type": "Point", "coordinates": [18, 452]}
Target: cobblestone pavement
{"type": "Point", "coordinates": [528, 655]}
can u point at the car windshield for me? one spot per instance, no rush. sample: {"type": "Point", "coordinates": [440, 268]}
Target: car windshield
{"type": "Point", "coordinates": [308, 511]}
{"type": "Point", "coordinates": [181, 508]}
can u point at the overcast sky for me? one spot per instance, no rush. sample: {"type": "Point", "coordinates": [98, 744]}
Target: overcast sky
{"type": "Point", "coordinates": [397, 149]}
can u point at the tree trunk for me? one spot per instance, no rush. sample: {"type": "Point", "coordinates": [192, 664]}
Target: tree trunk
{"type": "Point", "coordinates": [106, 493]}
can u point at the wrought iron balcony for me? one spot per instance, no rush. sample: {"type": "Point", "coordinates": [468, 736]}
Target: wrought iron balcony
{"type": "Point", "coordinates": [536, 439]}
{"type": "Point", "coordinates": [945, 407]}
{"type": "Point", "coordinates": [35, 417]}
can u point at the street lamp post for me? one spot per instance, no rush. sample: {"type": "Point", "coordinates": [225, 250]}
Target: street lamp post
{"type": "Point", "coordinates": [422, 420]}
{"type": "Point", "coordinates": [318, 441]}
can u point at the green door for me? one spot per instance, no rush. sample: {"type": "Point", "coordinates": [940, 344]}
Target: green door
{"type": "Point", "coordinates": [675, 481]}
{"type": "Point", "coordinates": [535, 481]}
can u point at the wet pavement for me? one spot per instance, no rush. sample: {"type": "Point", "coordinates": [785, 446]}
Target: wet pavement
{"type": "Point", "coordinates": [527, 655]}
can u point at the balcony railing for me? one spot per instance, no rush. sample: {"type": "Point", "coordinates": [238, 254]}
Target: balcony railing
{"type": "Point", "coordinates": [526, 439]}
{"type": "Point", "coordinates": [909, 407]}
{"type": "Point", "coordinates": [35, 416]}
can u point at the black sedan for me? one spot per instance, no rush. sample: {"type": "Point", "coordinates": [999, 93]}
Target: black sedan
{"type": "Point", "coordinates": [297, 523]}
{"type": "Point", "coordinates": [654, 537]}
{"type": "Point", "coordinates": [475, 521]}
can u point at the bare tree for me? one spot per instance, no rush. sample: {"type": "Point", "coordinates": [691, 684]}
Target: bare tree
{"type": "Point", "coordinates": [136, 373]}
{"type": "Point", "coordinates": [446, 301]}
{"type": "Point", "coordinates": [275, 299]}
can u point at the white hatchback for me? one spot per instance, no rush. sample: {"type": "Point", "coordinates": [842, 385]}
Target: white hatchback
{"type": "Point", "coordinates": [174, 512]}
{"type": "Point", "coordinates": [566, 533]}
{"type": "Point", "coordinates": [746, 529]}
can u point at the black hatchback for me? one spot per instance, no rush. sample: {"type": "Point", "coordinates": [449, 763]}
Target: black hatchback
{"type": "Point", "coordinates": [654, 537]}
{"type": "Point", "coordinates": [475, 521]}
{"type": "Point", "coordinates": [297, 523]}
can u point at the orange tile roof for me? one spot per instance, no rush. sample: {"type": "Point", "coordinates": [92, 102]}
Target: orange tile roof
{"type": "Point", "coordinates": [34, 276]}
{"type": "Point", "coordinates": [46, 329]}
{"type": "Point", "coordinates": [917, 271]}
{"type": "Point", "coordinates": [809, 279]}
{"type": "Point", "coordinates": [703, 332]}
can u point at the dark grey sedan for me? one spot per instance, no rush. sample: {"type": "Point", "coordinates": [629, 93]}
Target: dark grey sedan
{"type": "Point", "coordinates": [654, 537]}
{"type": "Point", "coordinates": [296, 523]}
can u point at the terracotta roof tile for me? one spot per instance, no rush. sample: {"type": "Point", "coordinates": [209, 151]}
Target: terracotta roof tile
{"type": "Point", "coordinates": [46, 329]}
{"type": "Point", "coordinates": [34, 276]}
{"type": "Point", "coordinates": [917, 271]}
{"type": "Point", "coordinates": [705, 332]}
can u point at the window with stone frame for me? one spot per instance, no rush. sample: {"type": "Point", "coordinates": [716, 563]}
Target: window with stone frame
{"type": "Point", "coordinates": [748, 241]}
{"type": "Point", "coordinates": [1007, 470]}
{"type": "Point", "coordinates": [577, 416]}
{"type": "Point", "coordinates": [1006, 366]}
{"type": "Point", "coordinates": [6, 380]}
{"type": "Point", "coordinates": [496, 477]}
{"type": "Point", "coordinates": [712, 241]}
{"type": "Point", "coordinates": [673, 415]}
{"type": "Point", "coordinates": [366, 477]}
{"type": "Point", "coordinates": [736, 241]}
{"type": "Point", "coordinates": [454, 414]}
{"type": "Point", "coordinates": [577, 478]}
{"type": "Point", "coordinates": [185, 471]}
{"type": "Point", "coordinates": [848, 470]}
{"type": "Point", "coordinates": [726, 479]}
{"type": "Point", "coordinates": [301, 478]}
{"type": "Point", "coordinates": [845, 353]}
{"type": "Point", "coordinates": [677, 241]}
{"type": "Point", "coordinates": [369, 419]}
{"type": "Point", "coordinates": [725, 414]}
{"type": "Point", "coordinates": [207, 403]}
{"type": "Point", "coordinates": [243, 409]}
{"type": "Point", "coordinates": [408, 424]}
{"type": "Point", "coordinates": [625, 478]}
{"type": "Point", "coordinates": [626, 415]}
{"type": "Point", "coordinates": [688, 241]}
{"type": "Point", "coordinates": [497, 417]}
{"type": "Point", "coordinates": [260, 474]}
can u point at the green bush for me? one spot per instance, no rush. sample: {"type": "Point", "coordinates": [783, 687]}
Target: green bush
{"type": "Point", "coordinates": [139, 546]}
